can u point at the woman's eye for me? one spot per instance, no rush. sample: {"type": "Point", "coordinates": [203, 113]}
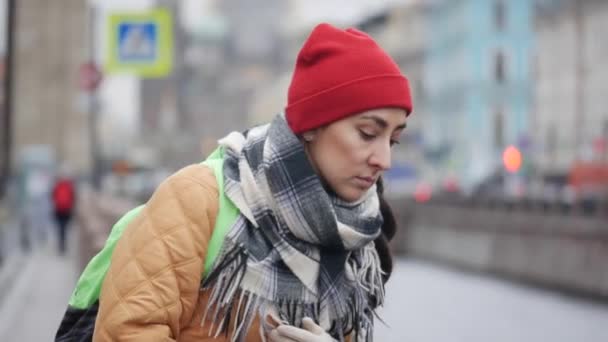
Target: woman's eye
{"type": "Point", "coordinates": [366, 136]}
{"type": "Point", "coordinates": [394, 142]}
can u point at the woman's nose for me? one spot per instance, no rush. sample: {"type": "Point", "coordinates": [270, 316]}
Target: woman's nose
{"type": "Point", "coordinates": [381, 156]}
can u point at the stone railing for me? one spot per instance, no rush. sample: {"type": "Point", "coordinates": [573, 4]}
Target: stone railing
{"type": "Point", "coordinates": [96, 214]}
{"type": "Point", "coordinates": [549, 245]}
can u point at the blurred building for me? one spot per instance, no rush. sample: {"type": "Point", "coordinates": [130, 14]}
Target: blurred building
{"type": "Point", "coordinates": [225, 52]}
{"type": "Point", "coordinates": [49, 46]}
{"type": "Point", "coordinates": [478, 83]}
{"type": "Point", "coordinates": [254, 53]}
{"type": "Point", "coordinates": [4, 133]}
{"type": "Point", "coordinates": [402, 30]}
{"type": "Point", "coordinates": [571, 73]}
{"type": "Point", "coordinates": [164, 106]}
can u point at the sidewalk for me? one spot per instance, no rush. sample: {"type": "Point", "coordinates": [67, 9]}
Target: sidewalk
{"type": "Point", "coordinates": [428, 302]}
{"type": "Point", "coordinates": [36, 301]}
{"type": "Point", "coordinates": [13, 256]}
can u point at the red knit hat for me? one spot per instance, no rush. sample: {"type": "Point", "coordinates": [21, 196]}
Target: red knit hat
{"type": "Point", "coordinates": [340, 73]}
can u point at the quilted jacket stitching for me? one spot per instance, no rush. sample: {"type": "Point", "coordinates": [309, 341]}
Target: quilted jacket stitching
{"type": "Point", "coordinates": [159, 236]}
{"type": "Point", "coordinates": [125, 268]}
{"type": "Point", "coordinates": [208, 215]}
{"type": "Point", "coordinates": [191, 224]}
{"type": "Point", "coordinates": [172, 267]}
{"type": "Point", "coordinates": [155, 236]}
{"type": "Point", "coordinates": [203, 223]}
{"type": "Point", "coordinates": [121, 303]}
{"type": "Point", "coordinates": [128, 247]}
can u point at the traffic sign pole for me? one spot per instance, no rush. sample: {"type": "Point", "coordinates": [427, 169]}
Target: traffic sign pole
{"type": "Point", "coordinates": [90, 78]}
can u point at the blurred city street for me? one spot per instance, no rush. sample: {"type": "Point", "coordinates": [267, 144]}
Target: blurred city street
{"type": "Point", "coordinates": [425, 302]}
{"type": "Point", "coordinates": [36, 296]}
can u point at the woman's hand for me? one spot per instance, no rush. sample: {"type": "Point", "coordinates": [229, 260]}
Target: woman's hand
{"type": "Point", "coordinates": [310, 332]}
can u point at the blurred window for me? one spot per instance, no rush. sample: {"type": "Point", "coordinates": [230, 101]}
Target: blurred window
{"type": "Point", "coordinates": [419, 88]}
{"type": "Point", "coordinates": [535, 66]}
{"type": "Point", "coordinates": [498, 129]}
{"type": "Point", "coordinates": [499, 15]}
{"type": "Point", "coordinates": [551, 140]}
{"type": "Point", "coordinates": [499, 67]}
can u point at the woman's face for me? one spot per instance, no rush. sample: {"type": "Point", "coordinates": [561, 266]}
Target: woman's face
{"type": "Point", "coordinates": [350, 154]}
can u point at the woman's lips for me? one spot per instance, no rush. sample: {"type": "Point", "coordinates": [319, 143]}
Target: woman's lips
{"type": "Point", "coordinates": [365, 181]}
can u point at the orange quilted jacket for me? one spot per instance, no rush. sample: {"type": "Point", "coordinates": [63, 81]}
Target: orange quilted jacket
{"type": "Point", "coordinates": [151, 291]}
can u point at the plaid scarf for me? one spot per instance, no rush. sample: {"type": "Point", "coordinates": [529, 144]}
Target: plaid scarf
{"type": "Point", "coordinates": [296, 250]}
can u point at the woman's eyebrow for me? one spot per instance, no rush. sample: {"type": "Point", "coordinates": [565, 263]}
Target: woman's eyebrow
{"type": "Point", "coordinates": [381, 122]}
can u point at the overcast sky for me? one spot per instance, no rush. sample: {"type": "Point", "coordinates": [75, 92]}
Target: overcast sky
{"type": "Point", "coordinates": [305, 13]}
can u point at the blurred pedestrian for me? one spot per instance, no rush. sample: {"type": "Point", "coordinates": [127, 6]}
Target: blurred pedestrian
{"type": "Point", "coordinates": [64, 199]}
{"type": "Point", "coordinates": [36, 206]}
{"type": "Point", "coordinates": [280, 235]}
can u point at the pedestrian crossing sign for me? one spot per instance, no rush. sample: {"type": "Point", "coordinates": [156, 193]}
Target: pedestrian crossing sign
{"type": "Point", "coordinates": [140, 43]}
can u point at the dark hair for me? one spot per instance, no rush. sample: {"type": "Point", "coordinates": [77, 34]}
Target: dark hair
{"type": "Point", "coordinates": [389, 227]}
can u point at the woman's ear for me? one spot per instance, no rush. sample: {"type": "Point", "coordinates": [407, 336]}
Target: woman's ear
{"type": "Point", "coordinates": [309, 136]}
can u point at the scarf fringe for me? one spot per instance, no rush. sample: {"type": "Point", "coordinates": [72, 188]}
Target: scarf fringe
{"type": "Point", "coordinates": [226, 278]}
{"type": "Point", "coordinates": [370, 275]}
{"type": "Point", "coordinates": [369, 292]}
{"type": "Point", "coordinates": [229, 301]}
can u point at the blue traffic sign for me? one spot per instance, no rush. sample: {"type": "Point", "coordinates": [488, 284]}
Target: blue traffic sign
{"type": "Point", "coordinates": [137, 42]}
{"type": "Point", "coordinates": [140, 43]}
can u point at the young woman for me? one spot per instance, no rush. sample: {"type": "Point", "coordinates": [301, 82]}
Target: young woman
{"type": "Point", "coordinates": [281, 235]}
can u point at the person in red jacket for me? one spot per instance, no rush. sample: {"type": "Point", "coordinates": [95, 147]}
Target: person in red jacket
{"type": "Point", "coordinates": [64, 198]}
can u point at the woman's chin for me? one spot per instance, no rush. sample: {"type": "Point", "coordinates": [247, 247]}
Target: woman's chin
{"type": "Point", "coordinates": [352, 194]}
